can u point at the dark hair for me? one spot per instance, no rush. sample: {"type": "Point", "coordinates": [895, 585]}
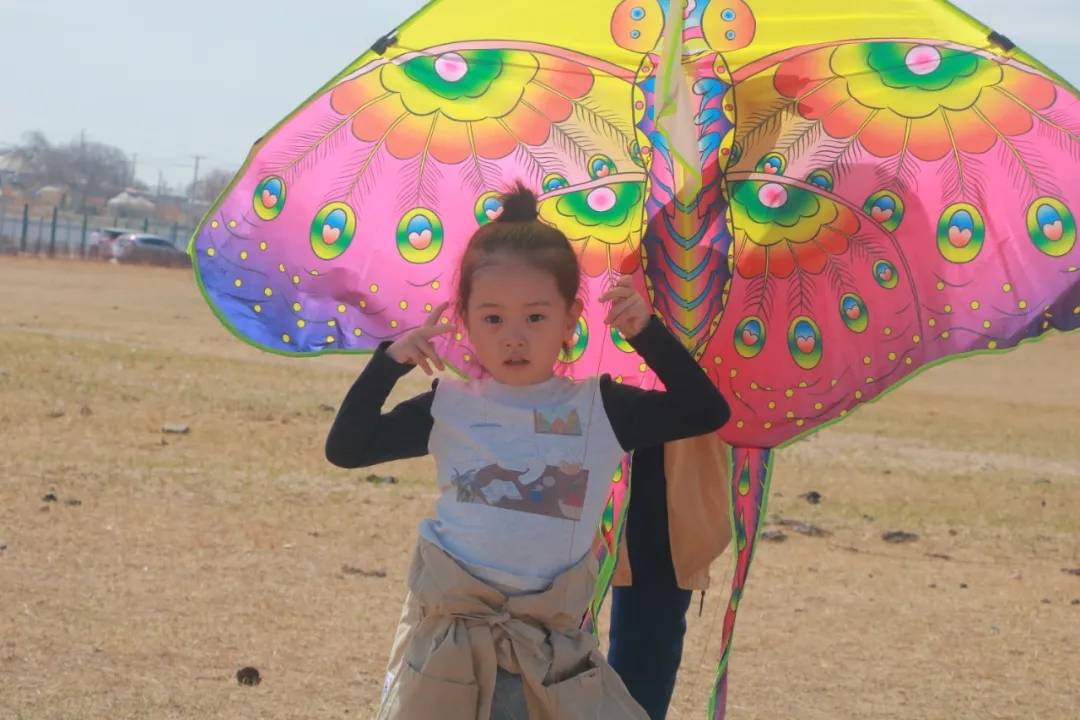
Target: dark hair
{"type": "Point", "coordinates": [518, 233]}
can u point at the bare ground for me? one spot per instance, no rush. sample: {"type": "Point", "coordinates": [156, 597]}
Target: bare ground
{"type": "Point", "coordinates": [193, 555]}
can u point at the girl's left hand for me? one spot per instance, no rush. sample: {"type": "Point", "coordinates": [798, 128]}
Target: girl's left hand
{"type": "Point", "coordinates": [629, 312]}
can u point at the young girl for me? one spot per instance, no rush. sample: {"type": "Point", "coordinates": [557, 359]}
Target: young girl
{"type": "Point", "coordinates": [502, 574]}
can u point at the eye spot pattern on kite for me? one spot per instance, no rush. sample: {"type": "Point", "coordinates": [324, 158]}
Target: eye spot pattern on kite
{"type": "Point", "coordinates": [621, 343]}
{"type": "Point", "coordinates": [804, 342]}
{"type": "Point", "coordinates": [773, 195]}
{"type": "Point", "coordinates": [419, 236]}
{"type": "Point", "coordinates": [853, 312]}
{"type": "Point", "coordinates": [637, 24]}
{"type": "Point", "coordinates": [554, 181]}
{"type": "Point", "coordinates": [488, 207]}
{"type": "Point", "coordinates": [923, 59]}
{"type": "Point", "coordinates": [822, 179]}
{"type": "Point", "coordinates": [1051, 226]}
{"type": "Point", "coordinates": [727, 25]}
{"type": "Point", "coordinates": [332, 231]}
{"type": "Point", "coordinates": [961, 232]}
{"type": "Point", "coordinates": [885, 274]}
{"type": "Point", "coordinates": [772, 164]}
{"type": "Point", "coordinates": [750, 336]}
{"type": "Point", "coordinates": [600, 166]}
{"type": "Point", "coordinates": [269, 198]}
{"type": "Point", "coordinates": [451, 67]}
{"type": "Point", "coordinates": [886, 208]}
{"type": "Point", "coordinates": [601, 199]}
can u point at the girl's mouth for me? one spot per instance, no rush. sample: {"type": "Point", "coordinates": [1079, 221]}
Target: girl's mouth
{"type": "Point", "coordinates": [516, 362]}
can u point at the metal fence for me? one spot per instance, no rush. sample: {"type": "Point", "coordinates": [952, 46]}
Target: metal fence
{"type": "Point", "coordinates": [54, 232]}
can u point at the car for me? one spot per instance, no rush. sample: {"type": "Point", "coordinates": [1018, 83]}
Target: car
{"type": "Point", "coordinates": [138, 247]}
{"type": "Point", "coordinates": [100, 243]}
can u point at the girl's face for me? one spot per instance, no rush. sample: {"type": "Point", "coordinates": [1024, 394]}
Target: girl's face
{"type": "Point", "coordinates": [517, 322]}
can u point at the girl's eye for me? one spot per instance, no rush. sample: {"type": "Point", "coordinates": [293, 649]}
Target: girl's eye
{"type": "Point", "coordinates": [492, 319]}
{"type": "Point", "coordinates": [537, 317]}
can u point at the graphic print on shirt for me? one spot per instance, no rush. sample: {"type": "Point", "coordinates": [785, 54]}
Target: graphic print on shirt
{"type": "Point", "coordinates": [558, 492]}
{"type": "Point", "coordinates": [568, 423]}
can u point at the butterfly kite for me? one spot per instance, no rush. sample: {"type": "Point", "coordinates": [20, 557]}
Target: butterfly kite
{"type": "Point", "coordinates": [820, 199]}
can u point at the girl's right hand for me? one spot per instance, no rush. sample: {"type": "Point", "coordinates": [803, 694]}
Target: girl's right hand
{"type": "Point", "coordinates": [415, 348]}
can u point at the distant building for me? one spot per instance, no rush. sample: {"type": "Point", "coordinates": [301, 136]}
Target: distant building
{"type": "Point", "coordinates": [130, 203]}
{"type": "Point", "coordinates": [55, 195]}
{"type": "Point", "coordinates": [14, 168]}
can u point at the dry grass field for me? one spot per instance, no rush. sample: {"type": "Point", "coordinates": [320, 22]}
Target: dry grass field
{"type": "Point", "coordinates": [168, 561]}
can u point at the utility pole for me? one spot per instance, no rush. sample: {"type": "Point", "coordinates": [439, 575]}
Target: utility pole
{"type": "Point", "coordinates": [83, 180]}
{"type": "Point", "coordinates": [134, 159]}
{"type": "Point", "coordinates": [195, 179]}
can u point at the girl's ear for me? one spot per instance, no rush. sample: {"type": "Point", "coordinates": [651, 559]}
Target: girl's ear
{"type": "Point", "coordinates": [573, 314]}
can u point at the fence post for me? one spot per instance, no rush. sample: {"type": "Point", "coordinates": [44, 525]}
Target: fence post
{"type": "Point", "coordinates": [82, 240]}
{"type": "Point", "coordinates": [146, 224]}
{"type": "Point", "coordinates": [52, 232]}
{"type": "Point", "coordinates": [40, 234]}
{"type": "Point", "coordinates": [25, 227]}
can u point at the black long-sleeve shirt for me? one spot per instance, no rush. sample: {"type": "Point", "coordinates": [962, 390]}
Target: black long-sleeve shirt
{"type": "Point", "coordinates": [691, 405]}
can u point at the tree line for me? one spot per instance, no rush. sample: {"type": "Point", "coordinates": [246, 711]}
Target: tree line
{"type": "Point", "coordinates": [87, 170]}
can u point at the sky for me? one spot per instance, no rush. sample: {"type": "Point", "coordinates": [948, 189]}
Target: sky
{"type": "Point", "coordinates": [168, 81]}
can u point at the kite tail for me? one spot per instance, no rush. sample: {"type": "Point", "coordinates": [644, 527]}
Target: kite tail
{"type": "Point", "coordinates": [606, 546]}
{"type": "Point", "coordinates": [751, 470]}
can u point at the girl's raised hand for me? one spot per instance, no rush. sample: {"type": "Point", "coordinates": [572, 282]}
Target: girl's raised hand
{"type": "Point", "coordinates": [415, 348]}
{"type": "Point", "coordinates": [629, 312]}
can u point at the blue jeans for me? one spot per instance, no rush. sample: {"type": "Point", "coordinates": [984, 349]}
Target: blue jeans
{"type": "Point", "coordinates": [648, 619]}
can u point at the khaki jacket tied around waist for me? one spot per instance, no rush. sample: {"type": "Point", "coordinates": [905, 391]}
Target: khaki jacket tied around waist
{"type": "Point", "coordinates": [456, 631]}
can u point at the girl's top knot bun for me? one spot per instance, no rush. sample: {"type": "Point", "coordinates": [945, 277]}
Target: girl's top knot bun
{"type": "Point", "coordinates": [517, 234]}
{"type": "Point", "coordinates": [518, 205]}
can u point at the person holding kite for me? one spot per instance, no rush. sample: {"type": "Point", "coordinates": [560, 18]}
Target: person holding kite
{"type": "Point", "coordinates": [676, 526]}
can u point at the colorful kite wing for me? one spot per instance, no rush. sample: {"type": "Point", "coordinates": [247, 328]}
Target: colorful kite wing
{"type": "Point", "coordinates": [346, 224]}
{"type": "Point", "coordinates": [895, 203]}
